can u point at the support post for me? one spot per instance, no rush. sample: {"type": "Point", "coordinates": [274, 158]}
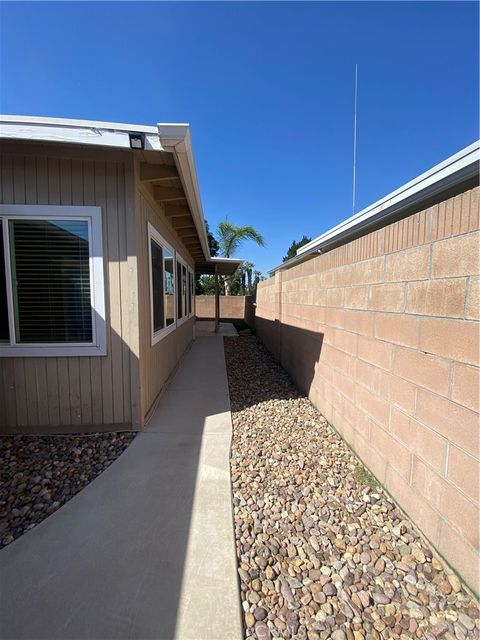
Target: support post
{"type": "Point", "coordinates": [217, 303]}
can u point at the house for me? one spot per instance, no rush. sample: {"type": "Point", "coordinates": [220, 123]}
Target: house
{"type": "Point", "coordinates": [102, 235]}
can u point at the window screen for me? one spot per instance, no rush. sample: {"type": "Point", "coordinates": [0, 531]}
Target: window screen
{"type": "Point", "coordinates": [157, 286]}
{"type": "Point", "coordinates": [4, 329]}
{"type": "Point", "coordinates": [51, 281]}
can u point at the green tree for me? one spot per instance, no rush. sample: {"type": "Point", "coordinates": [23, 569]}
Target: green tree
{"type": "Point", "coordinates": [230, 237]}
{"type": "Point", "coordinates": [294, 247]}
{"type": "Point", "coordinates": [212, 241]}
{"type": "Point", "coordinates": [205, 285]}
{"type": "Point", "coordinates": [242, 283]}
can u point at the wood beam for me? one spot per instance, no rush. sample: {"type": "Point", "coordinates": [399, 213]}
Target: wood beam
{"type": "Point", "coordinates": [157, 172]}
{"type": "Point", "coordinates": [172, 210]}
{"type": "Point", "coordinates": [187, 233]}
{"type": "Point", "coordinates": [168, 194]}
{"type": "Point", "coordinates": [181, 223]}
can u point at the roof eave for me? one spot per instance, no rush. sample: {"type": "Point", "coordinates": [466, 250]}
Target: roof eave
{"type": "Point", "coordinates": [176, 138]}
{"type": "Point", "coordinates": [171, 137]}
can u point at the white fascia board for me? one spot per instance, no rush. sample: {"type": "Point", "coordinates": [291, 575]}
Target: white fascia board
{"type": "Point", "coordinates": [448, 173]}
{"type": "Point", "coordinates": [84, 132]}
{"type": "Point", "coordinates": [232, 260]}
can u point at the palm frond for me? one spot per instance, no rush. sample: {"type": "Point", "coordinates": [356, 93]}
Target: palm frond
{"type": "Point", "coordinates": [230, 236]}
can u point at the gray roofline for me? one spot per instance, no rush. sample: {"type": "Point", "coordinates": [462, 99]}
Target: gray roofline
{"type": "Point", "coordinates": [171, 137]}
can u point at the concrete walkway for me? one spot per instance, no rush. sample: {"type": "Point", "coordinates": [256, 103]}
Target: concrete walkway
{"type": "Point", "coordinates": [146, 551]}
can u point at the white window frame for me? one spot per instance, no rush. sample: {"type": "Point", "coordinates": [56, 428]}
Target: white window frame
{"type": "Point", "coordinates": [192, 293]}
{"type": "Point", "coordinates": [183, 262]}
{"type": "Point", "coordinates": [93, 216]}
{"type": "Point", "coordinates": [154, 235]}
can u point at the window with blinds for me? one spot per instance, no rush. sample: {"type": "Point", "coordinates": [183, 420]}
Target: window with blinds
{"type": "Point", "coordinates": [51, 281]}
{"type": "Point", "coordinates": [52, 295]}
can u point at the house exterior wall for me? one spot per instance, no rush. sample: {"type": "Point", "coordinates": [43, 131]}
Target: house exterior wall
{"type": "Point", "coordinates": [81, 392]}
{"type": "Point", "coordinates": [230, 307]}
{"type": "Point", "coordinates": [383, 335]}
{"type": "Point", "coordinates": [158, 361]}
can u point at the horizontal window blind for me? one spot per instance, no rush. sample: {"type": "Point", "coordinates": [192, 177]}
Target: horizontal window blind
{"type": "Point", "coordinates": [51, 281]}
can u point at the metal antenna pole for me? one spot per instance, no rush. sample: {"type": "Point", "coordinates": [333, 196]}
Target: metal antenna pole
{"type": "Point", "coordinates": [355, 140]}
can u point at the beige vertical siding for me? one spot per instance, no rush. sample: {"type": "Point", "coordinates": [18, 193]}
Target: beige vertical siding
{"type": "Point", "coordinates": [382, 333]}
{"type": "Point", "coordinates": [75, 393]}
{"type": "Point", "coordinates": [157, 362]}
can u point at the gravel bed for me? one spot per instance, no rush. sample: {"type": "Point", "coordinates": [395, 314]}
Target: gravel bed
{"type": "Point", "coordinates": [40, 473]}
{"type": "Point", "coordinates": [322, 551]}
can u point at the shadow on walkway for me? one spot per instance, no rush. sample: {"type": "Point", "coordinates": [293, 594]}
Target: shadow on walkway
{"type": "Point", "coordinates": [146, 551]}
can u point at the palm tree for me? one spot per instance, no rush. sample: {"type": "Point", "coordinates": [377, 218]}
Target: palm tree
{"type": "Point", "coordinates": [230, 237]}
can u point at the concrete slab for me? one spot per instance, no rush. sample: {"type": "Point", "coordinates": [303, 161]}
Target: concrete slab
{"type": "Point", "coordinates": [146, 551]}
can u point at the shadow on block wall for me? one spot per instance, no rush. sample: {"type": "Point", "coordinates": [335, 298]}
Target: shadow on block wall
{"type": "Point", "coordinates": [297, 350]}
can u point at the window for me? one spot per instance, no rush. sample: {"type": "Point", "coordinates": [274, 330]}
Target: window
{"type": "Point", "coordinates": [162, 285]}
{"type": "Point", "coordinates": [52, 300]}
{"type": "Point", "coordinates": [182, 291]}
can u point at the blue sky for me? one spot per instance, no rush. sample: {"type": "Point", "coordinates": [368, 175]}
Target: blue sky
{"type": "Point", "coordinates": [268, 91]}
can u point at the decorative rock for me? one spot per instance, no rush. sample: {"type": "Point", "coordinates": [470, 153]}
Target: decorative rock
{"type": "Point", "coordinates": [249, 620]}
{"type": "Point", "coordinates": [262, 631]}
{"type": "Point", "coordinates": [329, 589]}
{"type": "Point", "coordinates": [454, 581]}
{"type": "Point", "coordinates": [260, 613]}
{"type": "Point", "coordinates": [326, 556]}
{"type": "Point", "coordinates": [380, 598]}
{"type": "Point", "coordinates": [38, 474]}
{"type": "Point", "coordinates": [292, 622]}
{"type": "Point", "coordinates": [467, 622]}
{"type": "Point", "coordinates": [418, 554]}
{"type": "Point", "coordinates": [364, 598]}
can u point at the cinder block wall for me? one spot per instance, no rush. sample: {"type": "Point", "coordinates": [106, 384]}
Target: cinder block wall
{"type": "Point", "coordinates": [383, 335]}
{"type": "Point", "coordinates": [230, 307]}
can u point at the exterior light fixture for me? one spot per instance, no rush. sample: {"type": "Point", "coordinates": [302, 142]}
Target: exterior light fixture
{"type": "Point", "coordinates": [137, 140]}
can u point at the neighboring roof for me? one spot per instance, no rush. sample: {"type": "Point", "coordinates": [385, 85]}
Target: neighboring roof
{"type": "Point", "coordinates": [220, 266]}
{"type": "Point", "coordinates": [169, 137]}
{"type": "Point", "coordinates": [461, 169]}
